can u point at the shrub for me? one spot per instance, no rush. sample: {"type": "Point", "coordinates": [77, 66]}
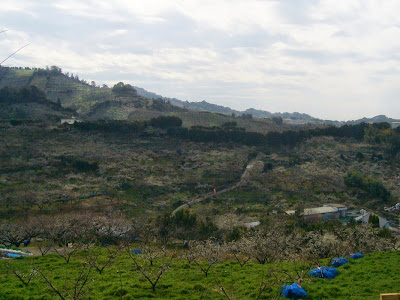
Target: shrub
{"type": "Point", "coordinates": [78, 165]}
{"type": "Point", "coordinates": [166, 122]}
{"type": "Point", "coordinates": [124, 90]}
{"type": "Point", "coordinates": [373, 186]}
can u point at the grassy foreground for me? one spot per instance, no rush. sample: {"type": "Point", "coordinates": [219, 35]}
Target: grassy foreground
{"type": "Point", "coordinates": [361, 279]}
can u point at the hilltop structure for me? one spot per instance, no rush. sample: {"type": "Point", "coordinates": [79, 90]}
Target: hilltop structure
{"type": "Point", "coordinates": [322, 213]}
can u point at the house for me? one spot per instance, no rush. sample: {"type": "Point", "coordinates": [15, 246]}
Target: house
{"type": "Point", "coordinates": [321, 213]}
{"type": "Point", "coordinates": [342, 209]}
{"type": "Point", "coordinates": [353, 213]}
{"type": "Point", "coordinates": [383, 223]}
{"type": "Point", "coordinates": [318, 213]}
{"type": "Point", "coordinates": [252, 224]}
{"type": "Point", "coordinates": [70, 121]}
{"type": "Point", "coordinates": [395, 124]}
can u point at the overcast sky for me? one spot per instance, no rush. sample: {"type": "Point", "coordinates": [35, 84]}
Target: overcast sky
{"type": "Point", "coordinates": [333, 59]}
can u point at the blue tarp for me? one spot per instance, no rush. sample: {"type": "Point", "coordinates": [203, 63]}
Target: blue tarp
{"type": "Point", "coordinates": [356, 255]}
{"type": "Point", "coordinates": [337, 262]}
{"type": "Point", "coordinates": [13, 255]}
{"type": "Point", "coordinates": [324, 272]}
{"type": "Point", "coordinates": [137, 251]}
{"type": "Point", "coordinates": [293, 291]}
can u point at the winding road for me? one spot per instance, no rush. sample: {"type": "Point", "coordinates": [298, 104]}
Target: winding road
{"type": "Point", "coordinates": [244, 178]}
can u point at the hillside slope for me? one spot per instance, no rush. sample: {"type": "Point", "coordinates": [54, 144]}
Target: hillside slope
{"type": "Point", "coordinates": [71, 91]}
{"type": "Point", "coordinates": [82, 96]}
{"type": "Point", "coordinates": [360, 279]}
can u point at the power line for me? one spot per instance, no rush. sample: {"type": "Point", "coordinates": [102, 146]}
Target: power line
{"type": "Point", "coordinates": [14, 53]}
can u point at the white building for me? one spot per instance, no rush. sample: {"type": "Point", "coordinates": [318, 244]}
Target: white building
{"type": "Point", "coordinates": [70, 121]}
{"type": "Point", "coordinates": [383, 223]}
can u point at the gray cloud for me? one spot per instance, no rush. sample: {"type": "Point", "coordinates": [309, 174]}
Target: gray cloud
{"type": "Point", "coordinates": [335, 59]}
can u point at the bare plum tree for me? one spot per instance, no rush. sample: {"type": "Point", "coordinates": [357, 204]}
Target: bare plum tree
{"type": "Point", "coordinates": [153, 265]}
{"type": "Point", "coordinates": [207, 254]}
{"type": "Point", "coordinates": [73, 291]}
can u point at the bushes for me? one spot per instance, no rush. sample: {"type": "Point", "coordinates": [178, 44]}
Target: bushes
{"type": "Point", "coordinates": [185, 226]}
{"type": "Point", "coordinates": [373, 186]}
{"type": "Point", "coordinates": [218, 135]}
{"type": "Point", "coordinates": [271, 139]}
{"type": "Point", "coordinates": [166, 122]}
{"type": "Point", "coordinates": [124, 90]}
{"type": "Point", "coordinates": [227, 133]}
{"type": "Point", "coordinates": [77, 165]}
{"type": "Point", "coordinates": [111, 126]}
{"type": "Point", "coordinates": [28, 94]}
{"type": "Point", "coordinates": [117, 126]}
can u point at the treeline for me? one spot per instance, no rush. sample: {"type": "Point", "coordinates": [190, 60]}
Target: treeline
{"type": "Point", "coordinates": [228, 132]}
{"type": "Point", "coordinates": [217, 135]}
{"type": "Point", "coordinates": [286, 138]}
{"type": "Point", "coordinates": [48, 71]}
{"type": "Point", "coordinates": [28, 94]}
{"type": "Point", "coordinates": [382, 134]}
{"type": "Point", "coordinates": [114, 126]}
{"type": "Point", "coordinates": [119, 126]}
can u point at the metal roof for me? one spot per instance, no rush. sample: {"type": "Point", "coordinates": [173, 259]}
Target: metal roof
{"type": "Point", "coordinates": [315, 211]}
{"type": "Point", "coordinates": [365, 219]}
{"type": "Point", "coordinates": [319, 210]}
{"type": "Point", "coordinates": [337, 205]}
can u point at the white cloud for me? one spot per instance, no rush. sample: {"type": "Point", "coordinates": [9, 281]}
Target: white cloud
{"type": "Point", "coordinates": [322, 57]}
{"type": "Point", "coordinates": [14, 6]}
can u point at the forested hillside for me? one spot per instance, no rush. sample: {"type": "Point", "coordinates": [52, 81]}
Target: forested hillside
{"type": "Point", "coordinates": [57, 86]}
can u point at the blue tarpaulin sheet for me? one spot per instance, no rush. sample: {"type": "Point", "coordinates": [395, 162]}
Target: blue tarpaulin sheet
{"type": "Point", "coordinates": [324, 272]}
{"type": "Point", "coordinates": [13, 255]}
{"type": "Point", "coordinates": [356, 255]}
{"type": "Point", "coordinates": [293, 291]}
{"type": "Point", "coordinates": [137, 251]}
{"type": "Point", "coordinates": [337, 262]}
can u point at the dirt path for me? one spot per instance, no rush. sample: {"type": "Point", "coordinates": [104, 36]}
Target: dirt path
{"type": "Point", "coordinates": [243, 178]}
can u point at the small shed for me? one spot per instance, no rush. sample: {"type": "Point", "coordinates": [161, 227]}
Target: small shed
{"type": "Point", "coordinates": [383, 223]}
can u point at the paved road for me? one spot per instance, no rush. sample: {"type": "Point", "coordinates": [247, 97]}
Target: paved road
{"type": "Point", "coordinates": [245, 176]}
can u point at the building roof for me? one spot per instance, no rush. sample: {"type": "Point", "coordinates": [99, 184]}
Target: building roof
{"type": "Point", "coordinates": [337, 205]}
{"type": "Point", "coordinates": [319, 210]}
{"type": "Point", "coordinates": [252, 224]}
{"type": "Point", "coordinates": [365, 219]}
{"type": "Point", "coordinates": [314, 211]}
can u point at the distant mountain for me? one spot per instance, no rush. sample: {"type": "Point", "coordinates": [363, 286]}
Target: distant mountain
{"type": "Point", "coordinates": [210, 107]}
{"type": "Point", "coordinates": [376, 119]}
{"type": "Point", "coordinates": [295, 116]}
{"type": "Point", "coordinates": [87, 98]}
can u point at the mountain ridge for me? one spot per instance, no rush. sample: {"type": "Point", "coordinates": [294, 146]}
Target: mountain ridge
{"type": "Point", "coordinates": [211, 107]}
{"type": "Point", "coordinates": [78, 94]}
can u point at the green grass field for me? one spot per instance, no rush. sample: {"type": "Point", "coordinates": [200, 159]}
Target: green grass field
{"type": "Point", "coordinates": [361, 279]}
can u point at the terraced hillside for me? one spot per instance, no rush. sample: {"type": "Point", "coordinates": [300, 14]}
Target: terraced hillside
{"type": "Point", "coordinates": [100, 103]}
{"type": "Point", "coordinates": [16, 78]}
{"type": "Point", "coordinates": [57, 86]}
